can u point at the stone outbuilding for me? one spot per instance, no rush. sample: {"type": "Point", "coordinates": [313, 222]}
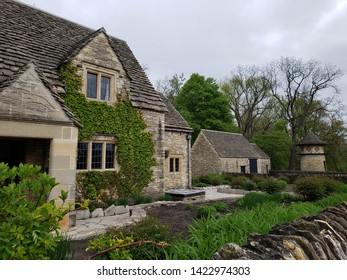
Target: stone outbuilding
{"type": "Point", "coordinates": [216, 151]}
{"type": "Point", "coordinates": [312, 154]}
{"type": "Point", "coordinates": [37, 127]}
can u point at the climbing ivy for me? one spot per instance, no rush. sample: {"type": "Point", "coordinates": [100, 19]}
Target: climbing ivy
{"type": "Point", "coordinates": [135, 148]}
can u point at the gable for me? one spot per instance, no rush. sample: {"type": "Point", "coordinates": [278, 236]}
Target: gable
{"type": "Point", "coordinates": [27, 33]}
{"type": "Point", "coordinates": [28, 98]}
{"type": "Point", "coordinates": [99, 52]}
{"type": "Point", "coordinates": [230, 145]}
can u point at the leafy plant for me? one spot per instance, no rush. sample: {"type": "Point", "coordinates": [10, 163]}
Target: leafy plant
{"type": "Point", "coordinates": [249, 185]}
{"type": "Point", "coordinates": [189, 206]}
{"type": "Point", "coordinates": [28, 223]}
{"type": "Point", "coordinates": [206, 211]}
{"type": "Point", "coordinates": [135, 148]}
{"type": "Point", "coordinates": [311, 188]}
{"type": "Point", "coordinates": [221, 207]}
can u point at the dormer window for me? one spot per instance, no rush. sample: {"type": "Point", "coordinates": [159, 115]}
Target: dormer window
{"type": "Point", "coordinates": [98, 86]}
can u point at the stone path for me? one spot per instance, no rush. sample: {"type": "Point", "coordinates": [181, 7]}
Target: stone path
{"type": "Point", "coordinates": [91, 227]}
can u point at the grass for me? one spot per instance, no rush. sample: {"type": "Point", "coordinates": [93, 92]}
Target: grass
{"type": "Point", "coordinates": [209, 235]}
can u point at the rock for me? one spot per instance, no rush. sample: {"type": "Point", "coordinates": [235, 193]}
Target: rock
{"type": "Point", "coordinates": [122, 210]}
{"type": "Point", "coordinates": [98, 212]}
{"type": "Point", "coordinates": [82, 214]}
{"type": "Point", "coordinates": [110, 211]}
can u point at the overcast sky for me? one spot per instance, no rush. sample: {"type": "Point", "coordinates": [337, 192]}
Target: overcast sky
{"type": "Point", "coordinates": [212, 37]}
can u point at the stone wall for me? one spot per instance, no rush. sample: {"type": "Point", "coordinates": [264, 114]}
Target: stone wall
{"type": "Point", "coordinates": [98, 56]}
{"type": "Point", "coordinates": [176, 145]}
{"type": "Point", "coordinates": [205, 159]}
{"type": "Point", "coordinates": [318, 237]}
{"type": "Point", "coordinates": [155, 123]}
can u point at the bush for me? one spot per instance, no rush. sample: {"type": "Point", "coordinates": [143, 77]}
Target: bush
{"type": "Point", "coordinates": [216, 179]}
{"type": "Point", "coordinates": [221, 207]}
{"type": "Point", "coordinates": [206, 212]}
{"type": "Point", "coordinates": [272, 186]}
{"type": "Point", "coordinates": [253, 199]}
{"type": "Point", "coordinates": [148, 229]}
{"type": "Point", "coordinates": [249, 185]}
{"type": "Point", "coordinates": [27, 221]}
{"type": "Point", "coordinates": [238, 181]}
{"type": "Point", "coordinates": [143, 200]}
{"type": "Point", "coordinates": [311, 188]}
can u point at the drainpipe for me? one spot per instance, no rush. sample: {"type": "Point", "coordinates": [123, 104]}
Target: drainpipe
{"type": "Point", "coordinates": [189, 137]}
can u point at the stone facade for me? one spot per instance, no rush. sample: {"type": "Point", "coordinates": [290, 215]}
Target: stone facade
{"type": "Point", "coordinates": [217, 152]}
{"type": "Point", "coordinates": [205, 159]}
{"type": "Point", "coordinates": [34, 117]}
{"type": "Point", "coordinates": [176, 147]}
{"type": "Point", "coordinates": [312, 155]}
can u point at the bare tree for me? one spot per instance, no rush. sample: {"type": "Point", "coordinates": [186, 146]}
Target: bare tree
{"type": "Point", "coordinates": [170, 87]}
{"type": "Point", "coordinates": [249, 98]}
{"type": "Point", "coordinates": [297, 86]}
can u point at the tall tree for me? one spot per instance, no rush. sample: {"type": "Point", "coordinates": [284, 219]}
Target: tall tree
{"type": "Point", "coordinates": [248, 92]}
{"type": "Point", "coordinates": [203, 106]}
{"type": "Point", "coordinates": [170, 87]}
{"type": "Point", "coordinates": [296, 85]}
{"type": "Point", "coordinates": [276, 143]}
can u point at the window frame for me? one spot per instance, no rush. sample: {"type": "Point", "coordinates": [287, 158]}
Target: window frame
{"type": "Point", "coordinates": [100, 73]}
{"type": "Point", "coordinates": [89, 160]}
{"type": "Point", "coordinates": [175, 164]}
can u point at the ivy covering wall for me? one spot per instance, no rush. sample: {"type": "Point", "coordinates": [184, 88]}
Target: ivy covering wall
{"type": "Point", "coordinates": [134, 146]}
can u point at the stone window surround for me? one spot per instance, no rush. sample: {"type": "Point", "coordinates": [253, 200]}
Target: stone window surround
{"type": "Point", "coordinates": [99, 71]}
{"type": "Point", "coordinates": [174, 158]}
{"type": "Point", "coordinates": [101, 140]}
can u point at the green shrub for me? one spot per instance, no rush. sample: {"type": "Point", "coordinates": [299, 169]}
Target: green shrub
{"type": "Point", "coordinates": [189, 206]}
{"type": "Point", "coordinates": [330, 185]}
{"type": "Point", "coordinates": [249, 185]}
{"type": "Point", "coordinates": [107, 241]}
{"type": "Point", "coordinates": [216, 179]}
{"type": "Point", "coordinates": [253, 199]}
{"type": "Point", "coordinates": [238, 181]}
{"type": "Point", "coordinates": [28, 224]}
{"type": "Point", "coordinates": [143, 200]}
{"type": "Point", "coordinates": [63, 251]}
{"type": "Point", "coordinates": [221, 207]}
{"type": "Point", "coordinates": [206, 212]}
{"type": "Point", "coordinates": [272, 186]}
{"type": "Point", "coordinates": [311, 188]}
{"type": "Point", "coordinates": [284, 178]}
{"type": "Point", "coordinates": [148, 229]}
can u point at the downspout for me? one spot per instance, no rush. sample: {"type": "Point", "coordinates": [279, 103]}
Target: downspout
{"type": "Point", "coordinates": [189, 137]}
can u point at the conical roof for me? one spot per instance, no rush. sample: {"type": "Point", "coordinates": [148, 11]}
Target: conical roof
{"type": "Point", "coordinates": [311, 139]}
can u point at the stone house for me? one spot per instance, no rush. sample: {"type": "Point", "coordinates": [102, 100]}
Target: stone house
{"type": "Point", "coordinates": [312, 154]}
{"type": "Point", "coordinates": [37, 127]}
{"type": "Point", "coordinates": [217, 152]}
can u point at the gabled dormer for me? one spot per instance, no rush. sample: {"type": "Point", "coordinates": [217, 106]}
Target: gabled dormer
{"type": "Point", "coordinates": [103, 76]}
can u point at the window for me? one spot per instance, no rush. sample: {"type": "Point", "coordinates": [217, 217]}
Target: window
{"type": "Point", "coordinates": [92, 85]}
{"type": "Point", "coordinates": [82, 155]}
{"type": "Point", "coordinates": [96, 155]}
{"type": "Point", "coordinates": [243, 168]}
{"type": "Point", "coordinates": [174, 165]}
{"type": "Point", "coordinates": [110, 152]}
{"type": "Point", "coordinates": [98, 86]}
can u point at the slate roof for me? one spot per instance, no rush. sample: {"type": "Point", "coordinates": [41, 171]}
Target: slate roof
{"type": "Point", "coordinates": [311, 139]}
{"type": "Point", "coordinates": [173, 119]}
{"type": "Point", "coordinates": [28, 34]}
{"type": "Point", "coordinates": [231, 145]}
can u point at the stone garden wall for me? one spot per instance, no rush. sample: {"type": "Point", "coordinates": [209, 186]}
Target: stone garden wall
{"type": "Point", "coordinates": [318, 237]}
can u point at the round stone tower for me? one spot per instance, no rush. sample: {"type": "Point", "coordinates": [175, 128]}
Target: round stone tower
{"type": "Point", "coordinates": [312, 156]}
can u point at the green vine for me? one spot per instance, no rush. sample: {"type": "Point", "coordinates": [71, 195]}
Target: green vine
{"type": "Point", "coordinates": [135, 148]}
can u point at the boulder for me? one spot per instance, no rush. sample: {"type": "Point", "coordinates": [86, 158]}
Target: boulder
{"type": "Point", "coordinates": [98, 212]}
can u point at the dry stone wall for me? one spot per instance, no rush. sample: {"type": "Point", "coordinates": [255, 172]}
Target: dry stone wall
{"type": "Point", "coordinates": [318, 237]}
